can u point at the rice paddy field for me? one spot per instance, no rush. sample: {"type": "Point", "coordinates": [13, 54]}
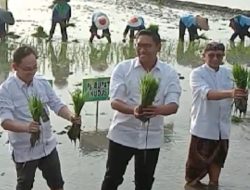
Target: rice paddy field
{"type": "Point", "coordinates": [66, 64]}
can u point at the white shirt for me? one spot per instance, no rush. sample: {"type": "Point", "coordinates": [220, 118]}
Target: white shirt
{"type": "Point", "coordinates": [14, 94]}
{"type": "Point", "coordinates": [125, 129]}
{"type": "Point", "coordinates": [210, 119]}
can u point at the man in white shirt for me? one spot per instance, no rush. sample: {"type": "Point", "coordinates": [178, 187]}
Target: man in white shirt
{"type": "Point", "coordinates": [127, 135]}
{"type": "Point", "coordinates": [212, 98]}
{"type": "Point", "coordinates": [16, 118]}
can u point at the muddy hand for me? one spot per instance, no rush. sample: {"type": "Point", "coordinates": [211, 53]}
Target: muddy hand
{"type": "Point", "coordinates": [138, 113]}
{"type": "Point", "coordinates": [240, 93]}
{"type": "Point", "coordinates": [33, 127]}
{"type": "Point", "coordinates": [76, 120]}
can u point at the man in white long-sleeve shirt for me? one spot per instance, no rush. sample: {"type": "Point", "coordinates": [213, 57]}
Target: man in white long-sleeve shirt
{"type": "Point", "coordinates": [16, 118]}
{"type": "Point", "coordinates": [127, 136]}
{"type": "Point", "coordinates": [212, 98]}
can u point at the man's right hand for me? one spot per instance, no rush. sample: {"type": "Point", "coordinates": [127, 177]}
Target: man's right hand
{"type": "Point", "coordinates": [138, 113]}
{"type": "Point", "coordinates": [239, 93]}
{"type": "Point", "coordinates": [33, 127]}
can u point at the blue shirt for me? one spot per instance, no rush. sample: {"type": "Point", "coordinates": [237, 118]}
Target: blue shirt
{"type": "Point", "coordinates": [243, 20]}
{"type": "Point", "coordinates": [14, 94]}
{"type": "Point", "coordinates": [61, 11]}
{"type": "Point", "coordinates": [188, 20]}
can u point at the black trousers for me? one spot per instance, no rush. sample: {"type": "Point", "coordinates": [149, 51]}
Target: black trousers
{"type": "Point", "coordinates": [50, 167]}
{"type": "Point", "coordinates": [63, 30]}
{"type": "Point", "coordinates": [240, 31]}
{"type": "Point", "coordinates": [118, 159]}
{"type": "Point", "coordinates": [192, 30]}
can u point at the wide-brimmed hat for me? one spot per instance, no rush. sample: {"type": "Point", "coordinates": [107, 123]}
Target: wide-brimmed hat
{"type": "Point", "coordinates": [6, 17]}
{"type": "Point", "coordinates": [135, 21]}
{"type": "Point", "coordinates": [202, 22]}
{"type": "Point", "coordinates": [102, 22]}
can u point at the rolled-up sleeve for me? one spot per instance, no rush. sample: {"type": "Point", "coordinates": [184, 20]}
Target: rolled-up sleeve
{"type": "Point", "coordinates": [172, 92]}
{"type": "Point", "coordinates": [198, 85]}
{"type": "Point", "coordinates": [117, 88]}
{"type": "Point", "coordinates": [54, 102]}
{"type": "Point", "coordinates": [6, 106]}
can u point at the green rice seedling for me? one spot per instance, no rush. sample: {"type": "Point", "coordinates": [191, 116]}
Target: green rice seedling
{"type": "Point", "coordinates": [148, 89]}
{"type": "Point", "coordinates": [241, 78]}
{"type": "Point", "coordinates": [36, 110]}
{"type": "Point", "coordinates": [78, 98]}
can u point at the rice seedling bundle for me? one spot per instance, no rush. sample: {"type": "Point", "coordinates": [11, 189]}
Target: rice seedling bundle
{"type": "Point", "coordinates": [36, 110]}
{"type": "Point", "coordinates": [241, 77]}
{"type": "Point", "coordinates": [78, 98]}
{"type": "Point", "coordinates": [148, 89]}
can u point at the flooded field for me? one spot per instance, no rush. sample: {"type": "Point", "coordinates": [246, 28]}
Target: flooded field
{"type": "Point", "coordinates": [66, 64]}
{"type": "Point", "coordinates": [236, 4]}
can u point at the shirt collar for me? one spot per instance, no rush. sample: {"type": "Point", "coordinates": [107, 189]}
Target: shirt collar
{"type": "Point", "coordinates": [21, 83]}
{"type": "Point", "coordinates": [138, 64]}
{"type": "Point", "coordinates": [209, 68]}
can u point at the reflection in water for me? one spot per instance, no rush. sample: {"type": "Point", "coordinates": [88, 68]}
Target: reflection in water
{"type": "Point", "coordinates": [59, 64]}
{"type": "Point", "coordinates": [201, 186]}
{"type": "Point", "coordinates": [98, 56]}
{"type": "Point", "coordinates": [190, 56]}
{"type": "Point", "coordinates": [128, 51]}
{"type": "Point", "coordinates": [4, 65]}
{"type": "Point", "coordinates": [93, 141]}
{"type": "Point", "coordinates": [97, 141]}
{"type": "Point", "coordinates": [238, 54]}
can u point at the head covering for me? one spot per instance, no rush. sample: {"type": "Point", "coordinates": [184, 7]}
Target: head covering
{"type": "Point", "coordinates": [202, 22]}
{"type": "Point", "coordinates": [135, 21]}
{"type": "Point", "coordinates": [6, 17]}
{"type": "Point", "coordinates": [101, 22]}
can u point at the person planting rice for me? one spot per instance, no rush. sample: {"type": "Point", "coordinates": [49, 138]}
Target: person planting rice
{"type": "Point", "coordinates": [61, 15]}
{"type": "Point", "coordinates": [25, 99]}
{"type": "Point", "coordinates": [212, 98]}
{"type": "Point", "coordinates": [240, 24]}
{"type": "Point", "coordinates": [135, 23]}
{"type": "Point", "coordinates": [99, 21]}
{"type": "Point", "coordinates": [135, 103]}
{"type": "Point", "coordinates": [6, 18]}
{"type": "Point", "coordinates": [192, 24]}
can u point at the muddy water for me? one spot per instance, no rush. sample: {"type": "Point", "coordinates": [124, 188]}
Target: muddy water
{"type": "Point", "coordinates": [67, 64]}
{"type": "Point", "coordinates": [236, 4]}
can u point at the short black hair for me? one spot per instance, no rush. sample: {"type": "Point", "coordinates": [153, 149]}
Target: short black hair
{"type": "Point", "coordinates": [154, 34]}
{"type": "Point", "coordinates": [214, 46]}
{"type": "Point", "coordinates": [22, 52]}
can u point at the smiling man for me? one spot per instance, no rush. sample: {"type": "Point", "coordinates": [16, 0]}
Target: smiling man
{"type": "Point", "coordinates": [212, 98]}
{"type": "Point", "coordinates": [128, 137]}
{"type": "Point", "coordinates": [16, 118]}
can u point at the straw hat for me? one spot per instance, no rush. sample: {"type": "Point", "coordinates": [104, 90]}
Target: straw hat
{"type": "Point", "coordinates": [202, 22]}
{"type": "Point", "coordinates": [6, 16]}
{"type": "Point", "coordinates": [135, 21]}
{"type": "Point", "coordinates": [102, 22]}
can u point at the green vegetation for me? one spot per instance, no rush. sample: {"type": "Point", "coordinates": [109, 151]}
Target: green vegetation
{"type": "Point", "coordinates": [78, 98]}
{"type": "Point", "coordinates": [148, 89]}
{"type": "Point", "coordinates": [36, 110]}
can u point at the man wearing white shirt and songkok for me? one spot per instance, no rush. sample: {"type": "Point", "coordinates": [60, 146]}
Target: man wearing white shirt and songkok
{"type": "Point", "coordinates": [16, 118]}
{"type": "Point", "coordinates": [212, 98]}
{"type": "Point", "coordinates": [127, 135]}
